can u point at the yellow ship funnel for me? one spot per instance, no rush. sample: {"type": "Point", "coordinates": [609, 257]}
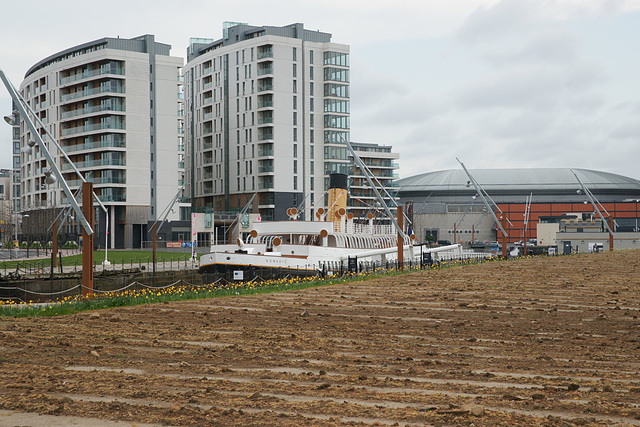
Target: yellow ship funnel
{"type": "Point", "coordinates": [337, 202]}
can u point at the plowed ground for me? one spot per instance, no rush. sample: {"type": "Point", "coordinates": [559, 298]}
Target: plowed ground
{"type": "Point", "coordinates": [536, 342]}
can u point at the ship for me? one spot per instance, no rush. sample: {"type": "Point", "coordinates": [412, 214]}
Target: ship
{"type": "Point", "coordinates": [309, 248]}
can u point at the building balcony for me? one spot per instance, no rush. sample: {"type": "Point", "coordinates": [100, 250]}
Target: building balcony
{"type": "Point", "coordinates": [265, 169]}
{"type": "Point", "coordinates": [265, 104]}
{"type": "Point", "coordinates": [266, 53]}
{"type": "Point", "coordinates": [94, 145]}
{"type": "Point", "coordinates": [265, 71]}
{"type": "Point", "coordinates": [265, 152]}
{"type": "Point", "coordinates": [90, 92]}
{"type": "Point", "coordinates": [98, 181]}
{"type": "Point", "coordinates": [265, 88]}
{"type": "Point", "coordinates": [266, 136]}
{"type": "Point", "coordinates": [118, 71]}
{"type": "Point", "coordinates": [207, 101]}
{"type": "Point", "coordinates": [90, 110]}
{"type": "Point", "coordinates": [93, 127]}
{"type": "Point", "coordinates": [208, 116]}
{"type": "Point", "coordinates": [95, 163]}
{"type": "Point", "coordinates": [265, 120]}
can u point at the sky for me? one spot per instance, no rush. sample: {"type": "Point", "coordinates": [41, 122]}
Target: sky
{"type": "Point", "coordinates": [495, 83]}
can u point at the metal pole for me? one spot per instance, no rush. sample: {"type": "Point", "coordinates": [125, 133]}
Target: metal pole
{"type": "Point", "coordinates": [484, 200]}
{"type": "Point", "coordinates": [43, 148]}
{"type": "Point", "coordinates": [505, 255]}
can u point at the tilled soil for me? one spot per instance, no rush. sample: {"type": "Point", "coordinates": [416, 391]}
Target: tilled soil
{"type": "Point", "coordinates": [537, 342]}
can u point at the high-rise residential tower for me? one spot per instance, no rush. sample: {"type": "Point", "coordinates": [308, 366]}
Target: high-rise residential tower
{"type": "Point", "coordinates": [267, 112]}
{"type": "Point", "coordinates": [115, 106]}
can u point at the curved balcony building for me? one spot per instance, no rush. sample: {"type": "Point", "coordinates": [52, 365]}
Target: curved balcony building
{"type": "Point", "coordinates": [114, 105]}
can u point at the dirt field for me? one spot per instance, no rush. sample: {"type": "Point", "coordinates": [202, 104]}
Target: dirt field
{"type": "Point", "coordinates": [538, 342]}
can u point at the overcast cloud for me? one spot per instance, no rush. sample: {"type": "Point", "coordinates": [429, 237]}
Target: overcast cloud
{"type": "Point", "coordinates": [509, 83]}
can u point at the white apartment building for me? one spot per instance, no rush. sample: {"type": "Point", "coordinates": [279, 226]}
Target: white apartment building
{"type": "Point", "coordinates": [267, 113]}
{"type": "Point", "coordinates": [115, 106]}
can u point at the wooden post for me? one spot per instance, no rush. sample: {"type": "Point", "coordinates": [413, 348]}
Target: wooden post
{"type": "Point", "coordinates": [400, 215]}
{"type": "Point", "coordinates": [54, 244]}
{"type": "Point", "coordinates": [503, 220]}
{"type": "Point", "coordinates": [87, 240]}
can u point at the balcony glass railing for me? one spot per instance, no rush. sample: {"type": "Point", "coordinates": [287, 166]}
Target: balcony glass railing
{"type": "Point", "coordinates": [85, 75]}
{"type": "Point", "coordinates": [267, 53]}
{"type": "Point", "coordinates": [207, 116]}
{"type": "Point", "coordinates": [89, 110]}
{"type": "Point", "coordinates": [265, 120]}
{"type": "Point", "coordinates": [113, 198]}
{"type": "Point", "coordinates": [265, 104]}
{"type": "Point", "coordinates": [207, 85]}
{"type": "Point", "coordinates": [264, 88]}
{"type": "Point", "coordinates": [96, 144]}
{"type": "Point", "coordinates": [93, 127]}
{"type": "Point", "coordinates": [95, 163]}
{"type": "Point", "coordinates": [265, 169]}
{"type": "Point", "coordinates": [180, 165]}
{"type": "Point", "coordinates": [97, 181]}
{"type": "Point", "coordinates": [92, 91]}
{"type": "Point", "coordinates": [207, 101]}
{"type": "Point", "coordinates": [265, 70]}
{"type": "Point", "coordinates": [265, 152]}
{"type": "Point", "coordinates": [265, 136]}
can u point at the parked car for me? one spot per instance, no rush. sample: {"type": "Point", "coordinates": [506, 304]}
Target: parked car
{"type": "Point", "coordinates": [443, 242]}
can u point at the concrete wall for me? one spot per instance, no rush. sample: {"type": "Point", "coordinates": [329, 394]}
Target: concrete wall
{"type": "Point", "coordinates": [582, 241]}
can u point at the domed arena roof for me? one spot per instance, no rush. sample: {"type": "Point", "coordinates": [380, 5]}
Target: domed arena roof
{"type": "Point", "coordinates": [542, 180]}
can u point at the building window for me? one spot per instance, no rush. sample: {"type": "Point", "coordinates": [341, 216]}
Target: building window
{"type": "Point", "coordinates": [295, 118]}
{"type": "Point", "coordinates": [295, 54]}
{"type": "Point", "coordinates": [295, 86]}
{"type": "Point", "coordinates": [310, 57]}
{"type": "Point", "coordinates": [295, 102]}
{"type": "Point", "coordinates": [295, 166]}
{"type": "Point", "coordinates": [295, 134]}
{"type": "Point", "coordinates": [295, 70]}
{"type": "Point", "coordinates": [311, 183]}
{"type": "Point", "coordinates": [311, 73]}
{"type": "Point", "coordinates": [295, 150]}
{"type": "Point", "coordinates": [295, 182]}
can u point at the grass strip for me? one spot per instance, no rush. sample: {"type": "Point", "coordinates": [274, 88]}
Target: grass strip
{"type": "Point", "coordinates": [78, 303]}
